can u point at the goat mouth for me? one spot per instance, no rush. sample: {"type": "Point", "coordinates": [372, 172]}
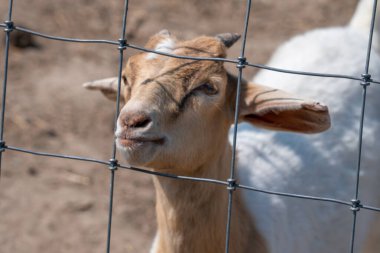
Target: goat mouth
{"type": "Point", "coordinates": [130, 142]}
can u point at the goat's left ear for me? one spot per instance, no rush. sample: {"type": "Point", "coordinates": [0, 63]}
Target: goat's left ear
{"type": "Point", "coordinates": [277, 110]}
{"type": "Point", "coordinates": [107, 86]}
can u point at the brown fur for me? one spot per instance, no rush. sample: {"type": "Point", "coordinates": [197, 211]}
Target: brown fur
{"type": "Point", "coordinates": [192, 216]}
{"type": "Point", "coordinates": [189, 107]}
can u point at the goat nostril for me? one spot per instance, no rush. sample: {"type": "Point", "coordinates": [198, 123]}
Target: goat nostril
{"type": "Point", "coordinates": [139, 121]}
{"type": "Point", "coordinates": [143, 123]}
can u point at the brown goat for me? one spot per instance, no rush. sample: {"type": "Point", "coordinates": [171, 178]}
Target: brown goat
{"type": "Point", "coordinates": [176, 119]}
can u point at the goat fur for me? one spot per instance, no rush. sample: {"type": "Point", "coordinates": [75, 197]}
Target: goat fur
{"type": "Point", "coordinates": [325, 164]}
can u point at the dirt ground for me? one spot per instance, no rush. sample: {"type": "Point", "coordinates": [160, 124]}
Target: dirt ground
{"type": "Point", "coordinates": [55, 205]}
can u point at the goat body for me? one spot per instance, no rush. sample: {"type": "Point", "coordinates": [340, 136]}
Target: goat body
{"type": "Point", "coordinates": [322, 165]}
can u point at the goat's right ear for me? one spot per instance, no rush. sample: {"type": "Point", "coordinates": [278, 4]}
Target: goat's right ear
{"type": "Point", "coordinates": [278, 110]}
{"type": "Point", "coordinates": [107, 86]}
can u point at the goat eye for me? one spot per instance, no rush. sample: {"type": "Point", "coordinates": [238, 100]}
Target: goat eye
{"type": "Point", "coordinates": [125, 80]}
{"type": "Point", "coordinates": [208, 89]}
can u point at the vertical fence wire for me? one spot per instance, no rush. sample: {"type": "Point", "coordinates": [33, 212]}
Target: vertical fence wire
{"type": "Point", "coordinates": [241, 63]}
{"type": "Point", "coordinates": [232, 181]}
{"type": "Point", "coordinates": [110, 207]}
{"type": "Point", "coordinates": [365, 83]}
{"type": "Point", "coordinates": [8, 30]}
{"type": "Point", "coordinates": [113, 161]}
{"type": "Point", "coordinates": [370, 36]}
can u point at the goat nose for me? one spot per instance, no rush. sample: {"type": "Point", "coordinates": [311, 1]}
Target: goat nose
{"type": "Point", "coordinates": [139, 120]}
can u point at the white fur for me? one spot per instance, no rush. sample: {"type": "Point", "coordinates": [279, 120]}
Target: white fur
{"type": "Point", "coordinates": [318, 165]}
{"type": "Point", "coordinates": [164, 46]}
{"type": "Point", "coordinates": [153, 249]}
{"type": "Point", "coordinates": [362, 19]}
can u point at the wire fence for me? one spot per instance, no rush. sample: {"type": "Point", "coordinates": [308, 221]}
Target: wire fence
{"type": "Point", "coordinates": [241, 62]}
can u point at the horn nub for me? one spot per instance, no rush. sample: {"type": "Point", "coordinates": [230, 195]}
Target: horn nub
{"type": "Point", "coordinates": [228, 39]}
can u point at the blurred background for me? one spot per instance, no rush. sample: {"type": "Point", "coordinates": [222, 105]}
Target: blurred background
{"type": "Point", "coordinates": [55, 205]}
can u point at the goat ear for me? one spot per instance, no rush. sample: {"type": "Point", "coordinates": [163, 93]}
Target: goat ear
{"type": "Point", "coordinates": [277, 110]}
{"type": "Point", "coordinates": [228, 39]}
{"type": "Point", "coordinates": [107, 86]}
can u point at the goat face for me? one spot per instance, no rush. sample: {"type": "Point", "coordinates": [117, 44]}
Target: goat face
{"type": "Point", "coordinates": [177, 112]}
{"type": "Point", "coordinates": [175, 109]}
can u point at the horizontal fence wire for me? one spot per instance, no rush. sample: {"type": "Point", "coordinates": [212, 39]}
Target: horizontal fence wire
{"type": "Point", "coordinates": [206, 180]}
{"type": "Point", "coordinates": [186, 178]}
{"type": "Point", "coordinates": [241, 62]}
{"type": "Point", "coordinates": [226, 60]}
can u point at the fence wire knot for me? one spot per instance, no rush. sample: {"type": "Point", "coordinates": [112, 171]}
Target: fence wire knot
{"type": "Point", "coordinates": [366, 80]}
{"type": "Point", "coordinates": [113, 164]}
{"type": "Point", "coordinates": [242, 62]}
{"type": "Point", "coordinates": [2, 146]}
{"type": "Point", "coordinates": [356, 205]}
{"type": "Point", "coordinates": [232, 185]}
{"type": "Point", "coordinates": [122, 44]}
{"type": "Point", "coordinates": [9, 26]}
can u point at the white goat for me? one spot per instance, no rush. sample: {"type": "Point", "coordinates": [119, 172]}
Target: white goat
{"type": "Point", "coordinates": [319, 165]}
{"type": "Point", "coordinates": [176, 118]}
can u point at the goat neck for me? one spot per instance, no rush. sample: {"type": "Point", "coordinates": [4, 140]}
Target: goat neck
{"type": "Point", "coordinates": [192, 216]}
